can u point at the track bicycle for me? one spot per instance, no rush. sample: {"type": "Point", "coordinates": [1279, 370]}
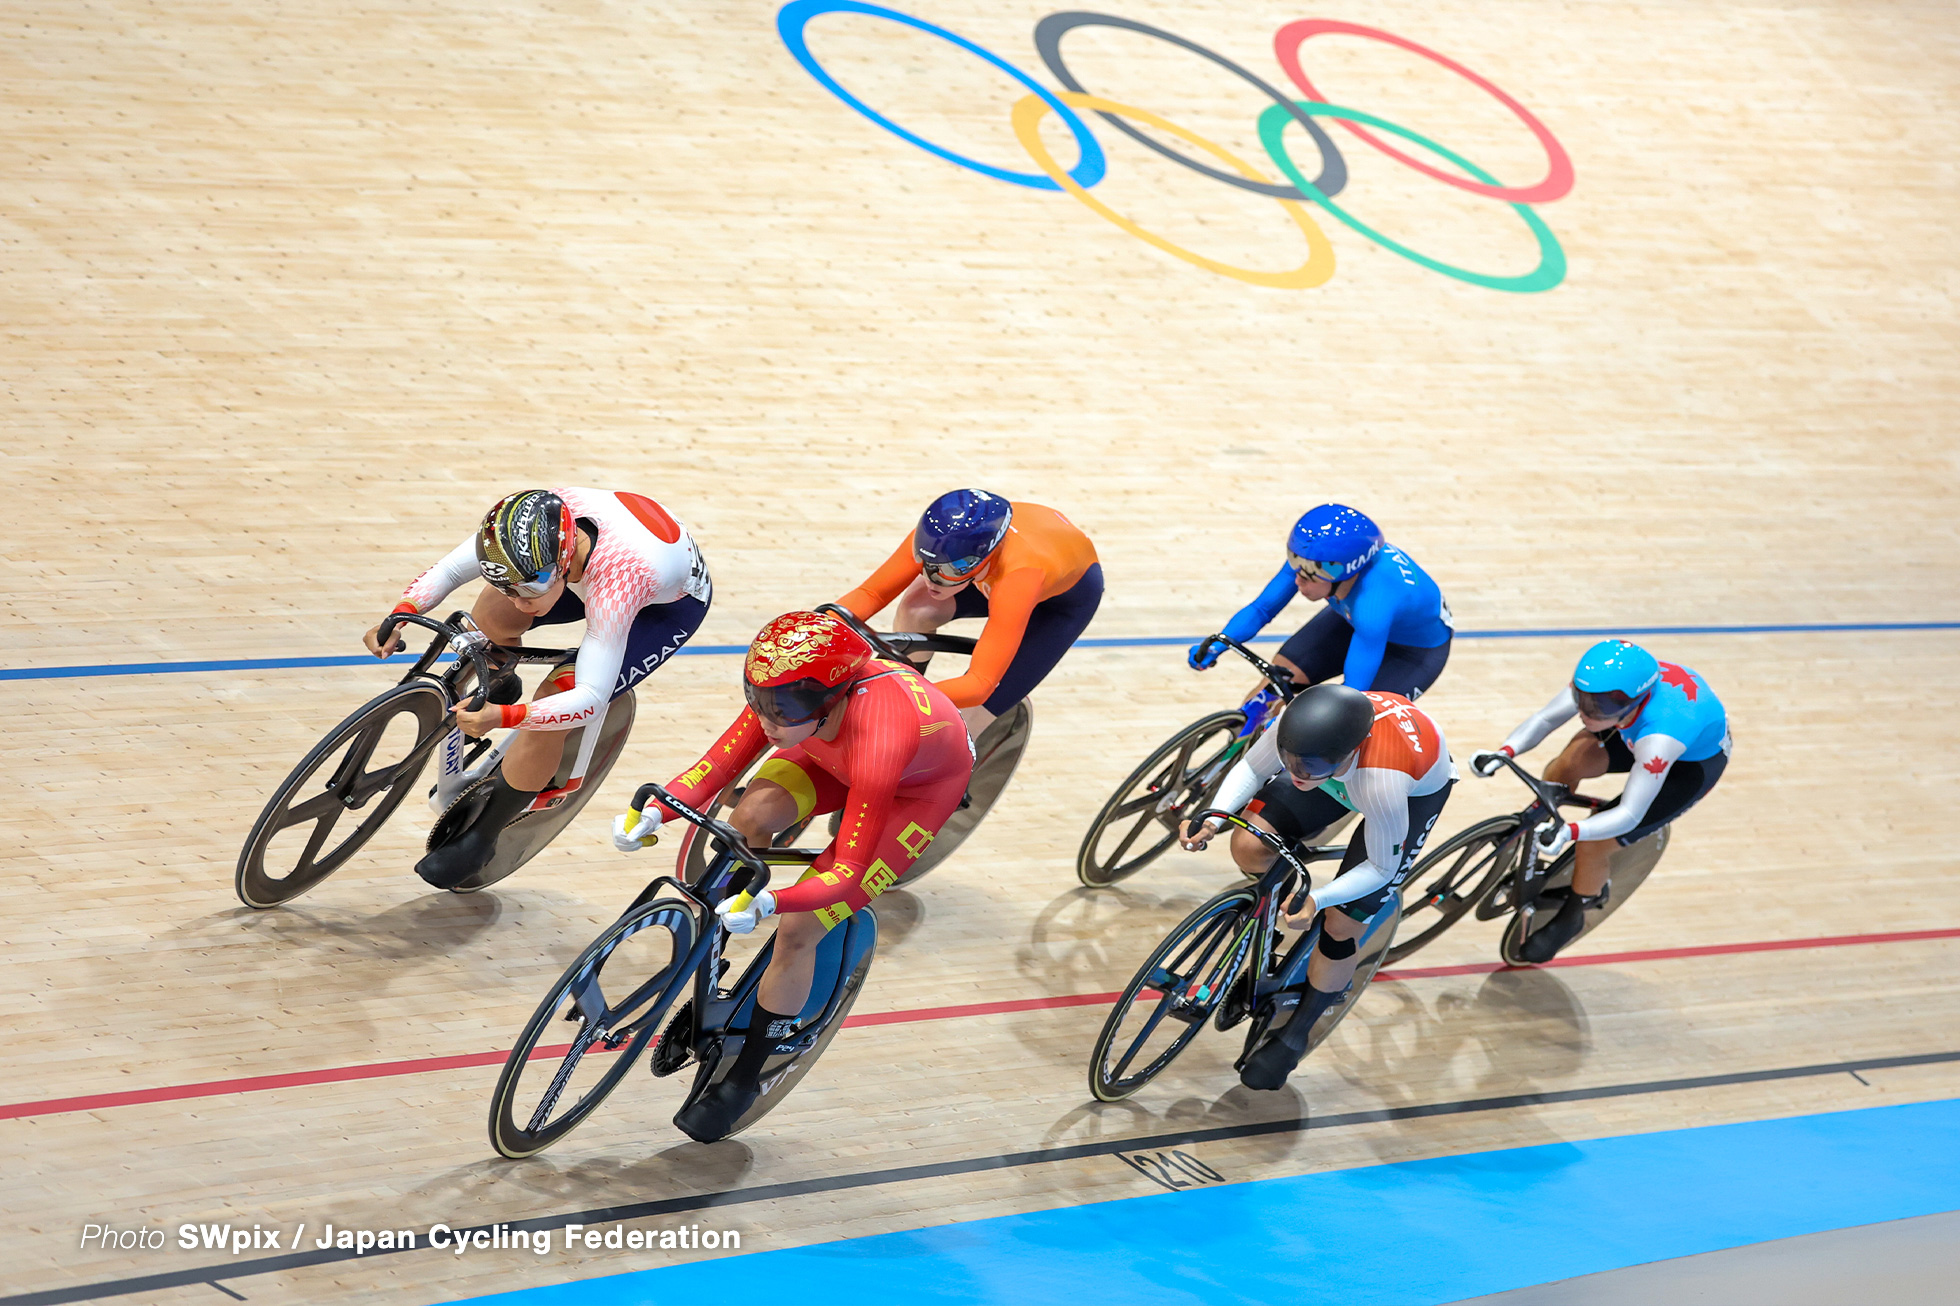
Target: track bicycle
{"type": "Point", "coordinates": [1494, 869]}
{"type": "Point", "coordinates": [668, 945]}
{"type": "Point", "coordinates": [1223, 964]}
{"type": "Point", "coordinates": [996, 754]}
{"type": "Point", "coordinates": [370, 762]}
{"type": "Point", "coordinates": [1181, 777]}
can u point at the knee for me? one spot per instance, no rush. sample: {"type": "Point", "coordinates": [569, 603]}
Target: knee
{"type": "Point", "coordinates": [1250, 853]}
{"type": "Point", "coordinates": [1338, 924]}
{"type": "Point", "coordinates": [765, 809]}
{"type": "Point", "coordinates": [1330, 947]}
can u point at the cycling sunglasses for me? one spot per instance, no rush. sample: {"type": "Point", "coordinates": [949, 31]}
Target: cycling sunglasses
{"type": "Point", "coordinates": [786, 706]}
{"type": "Point", "coordinates": [1327, 571]}
{"type": "Point", "coordinates": [953, 573]}
{"type": "Point", "coordinates": [1608, 706]}
{"type": "Point", "coordinates": [535, 588]}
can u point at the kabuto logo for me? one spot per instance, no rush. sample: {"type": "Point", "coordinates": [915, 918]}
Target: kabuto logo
{"type": "Point", "coordinates": [493, 570]}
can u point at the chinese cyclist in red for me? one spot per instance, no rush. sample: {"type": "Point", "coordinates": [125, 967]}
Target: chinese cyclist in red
{"type": "Point", "coordinates": [1023, 567]}
{"type": "Point", "coordinates": [853, 734]}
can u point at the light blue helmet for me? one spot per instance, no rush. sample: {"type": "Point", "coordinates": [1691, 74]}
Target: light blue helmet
{"type": "Point", "coordinates": [1612, 677]}
{"type": "Point", "coordinates": [1332, 542]}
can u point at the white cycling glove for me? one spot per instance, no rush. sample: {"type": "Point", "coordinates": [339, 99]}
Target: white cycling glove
{"type": "Point", "coordinates": [1486, 764]}
{"type": "Point", "coordinates": [741, 912]}
{"type": "Point", "coordinates": [637, 830]}
{"type": "Point", "coordinates": [1554, 837]}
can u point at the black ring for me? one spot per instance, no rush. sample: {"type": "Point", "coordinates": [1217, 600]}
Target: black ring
{"type": "Point", "coordinates": [1048, 35]}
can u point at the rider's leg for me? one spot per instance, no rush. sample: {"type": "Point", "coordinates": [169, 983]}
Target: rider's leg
{"type": "Point", "coordinates": [1317, 651]}
{"type": "Point", "coordinates": [1410, 671]}
{"type": "Point", "coordinates": [918, 610]}
{"type": "Point", "coordinates": [1051, 631]}
{"type": "Point", "coordinates": [1324, 973]}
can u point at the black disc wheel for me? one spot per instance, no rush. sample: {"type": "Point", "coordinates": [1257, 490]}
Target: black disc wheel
{"type": "Point", "coordinates": [1141, 818]}
{"type": "Point", "coordinates": [367, 765]}
{"type": "Point", "coordinates": [1171, 996]}
{"type": "Point", "coordinates": [1628, 870]}
{"type": "Point", "coordinates": [1453, 878]}
{"type": "Point", "coordinates": [610, 1001]}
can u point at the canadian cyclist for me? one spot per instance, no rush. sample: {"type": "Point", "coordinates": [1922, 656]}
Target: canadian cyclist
{"type": "Point", "coordinates": [1385, 626]}
{"type": "Point", "coordinates": [1334, 749]}
{"type": "Point", "coordinates": [853, 734]}
{"type": "Point", "coordinates": [1023, 567]}
{"type": "Point", "coordinates": [618, 562]}
{"type": "Point", "coordinates": [1657, 722]}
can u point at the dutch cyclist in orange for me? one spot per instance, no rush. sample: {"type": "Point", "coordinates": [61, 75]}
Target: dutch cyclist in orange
{"type": "Point", "coordinates": [867, 738]}
{"type": "Point", "coordinates": [1023, 567]}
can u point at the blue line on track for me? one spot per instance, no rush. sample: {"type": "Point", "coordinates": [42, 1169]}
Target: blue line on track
{"type": "Point", "coordinates": [699, 650]}
{"type": "Point", "coordinates": [1413, 1234]}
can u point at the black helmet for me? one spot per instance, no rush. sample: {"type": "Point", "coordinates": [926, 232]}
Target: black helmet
{"type": "Point", "coordinates": [1321, 727]}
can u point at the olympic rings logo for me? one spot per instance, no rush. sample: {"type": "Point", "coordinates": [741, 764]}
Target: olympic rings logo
{"type": "Point", "coordinates": [1293, 194]}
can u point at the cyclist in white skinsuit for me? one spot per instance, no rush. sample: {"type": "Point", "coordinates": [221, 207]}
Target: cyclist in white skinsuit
{"type": "Point", "coordinates": [1334, 750]}
{"type": "Point", "coordinates": [617, 561]}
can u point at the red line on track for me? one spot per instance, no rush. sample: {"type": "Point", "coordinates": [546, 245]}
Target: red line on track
{"type": "Point", "coordinates": [425, 1065]}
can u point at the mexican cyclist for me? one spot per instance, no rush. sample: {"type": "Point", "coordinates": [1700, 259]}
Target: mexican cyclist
{"type": "Point", "coordinates": [1333, 750]}
{"type": "Point", "coordinates": [1656, 722]}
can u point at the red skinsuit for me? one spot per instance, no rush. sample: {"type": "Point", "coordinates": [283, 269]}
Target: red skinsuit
{"type": "Point", "coordinates": [898, 768]}
{"type": "Point", "coordinates": [1043, 555]}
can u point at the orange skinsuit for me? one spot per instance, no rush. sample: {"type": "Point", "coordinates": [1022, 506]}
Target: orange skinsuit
{"type": "Point", "coordinates": [1043, 555]}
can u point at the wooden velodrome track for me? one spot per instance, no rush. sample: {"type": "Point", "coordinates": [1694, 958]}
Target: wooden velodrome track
{"type": "Point", "coordinates": [294, 291]}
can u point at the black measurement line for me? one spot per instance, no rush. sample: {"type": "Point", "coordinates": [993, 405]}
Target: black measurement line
{"type": "Point", "coordinates": [151, 1283]}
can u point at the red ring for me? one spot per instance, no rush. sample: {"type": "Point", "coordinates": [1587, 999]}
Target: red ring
{"type": "Point", "coordinates": [1286, 46]}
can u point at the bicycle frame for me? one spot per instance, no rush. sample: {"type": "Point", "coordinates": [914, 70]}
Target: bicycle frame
{"type": "Point", "coordinates": [1527, 877]}
{"type": "Point", "coordinates": [460, 763]}
{"type": "Point", "coordinates": [1260, 933]}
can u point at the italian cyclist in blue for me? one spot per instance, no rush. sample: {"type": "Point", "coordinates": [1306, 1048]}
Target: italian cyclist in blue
{"type": "Point", "coordinates": [1385, 626]}
{"type": "Point", "coordinates": [1657, 722]}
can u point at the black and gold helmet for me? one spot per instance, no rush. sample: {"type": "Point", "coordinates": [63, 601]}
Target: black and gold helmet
{"type": "Point", "coordinates": [526, 543]}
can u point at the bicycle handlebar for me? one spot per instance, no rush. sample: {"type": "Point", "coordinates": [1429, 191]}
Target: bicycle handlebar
{"type": "Point", "coordinates": [1273, 842]}
{"type": "Point", "coordinates": [1549, 792]}
{"type": "Point", "coordinates": [895, 644]}
{"type": "Point", "coordinates": [466, 643]}
{"type": "Point", "coordinates": [1281, 679]}
{"type": "Point", "coordinates": [727, 835]}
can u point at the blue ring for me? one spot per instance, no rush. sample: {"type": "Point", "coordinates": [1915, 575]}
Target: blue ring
{"type": "Point", "coordinates": [796, 15]}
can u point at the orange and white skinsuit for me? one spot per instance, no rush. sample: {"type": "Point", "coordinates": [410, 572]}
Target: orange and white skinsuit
{"type": "Point", "coordinates": [897, 769]}
{"type": "Point", "coordinates": [1042, 558]}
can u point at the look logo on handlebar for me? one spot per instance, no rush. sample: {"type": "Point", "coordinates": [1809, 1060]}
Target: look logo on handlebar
{"type": "Point", "coordinates": [1292, 193]}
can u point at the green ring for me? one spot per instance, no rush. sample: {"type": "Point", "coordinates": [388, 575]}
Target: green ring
{"type": "Point", "coordinates": [1551, 257]}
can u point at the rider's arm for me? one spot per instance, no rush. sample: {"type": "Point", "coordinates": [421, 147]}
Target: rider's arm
{"type": "Point", "coordinates": [1381, 795]}
{"type": "Point", "coordinates": [1256, 615]}
{"type": "Point", "coordinates": [884, 584]}
{"type": "Point", "coordinates": [725, 759]}
{"type": "Point", "coordinates": [1653, 756]}
{"type": "Point", "coordinates": [439, 581]}
{"type": "Point", "coordinates": [1249, 774]}
{"type": "Point", "coordinates": [609, 612]}
{"type": "Point", "coordinates": [884, 736]}
{"type": "Point", "coordinates": [1546, 719]}
{"type": "Point", "coordinates": [1374, 615]}
{"type": "Point", "coordinates": [1008, 609]}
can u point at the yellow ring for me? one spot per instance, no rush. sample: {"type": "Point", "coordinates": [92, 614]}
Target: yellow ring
{"type": "Point", "coordinates": [1319, 266]}
{"type": "Point", "coordinates": [790, 776]}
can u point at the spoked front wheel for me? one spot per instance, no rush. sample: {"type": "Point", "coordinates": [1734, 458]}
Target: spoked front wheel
{"type": "Point", "coordinates": [1140, 819]}
{"type": "Point", "coordinates": [370, 761]}
{"type": "Point", "coordinates": [611, 1001]}
{"type": "Point", "coordinates": [1172, 995]}
{"type": "Point", "coordinates": [1452, 879]}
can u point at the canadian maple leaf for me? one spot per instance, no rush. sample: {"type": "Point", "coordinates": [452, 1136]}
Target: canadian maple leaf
{"type": "Point", "coordinates": [1680, 678]}
{"type": "Point", "coordinates": [1657, 764]}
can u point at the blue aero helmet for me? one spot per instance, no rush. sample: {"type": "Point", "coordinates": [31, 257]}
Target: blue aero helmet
{"type": "Point", "coordinates": [1612, 677]}
{"type": "Point", "coordinates": [958, 532]}
{"type": "Point", "coordinates": [1332, 542]}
